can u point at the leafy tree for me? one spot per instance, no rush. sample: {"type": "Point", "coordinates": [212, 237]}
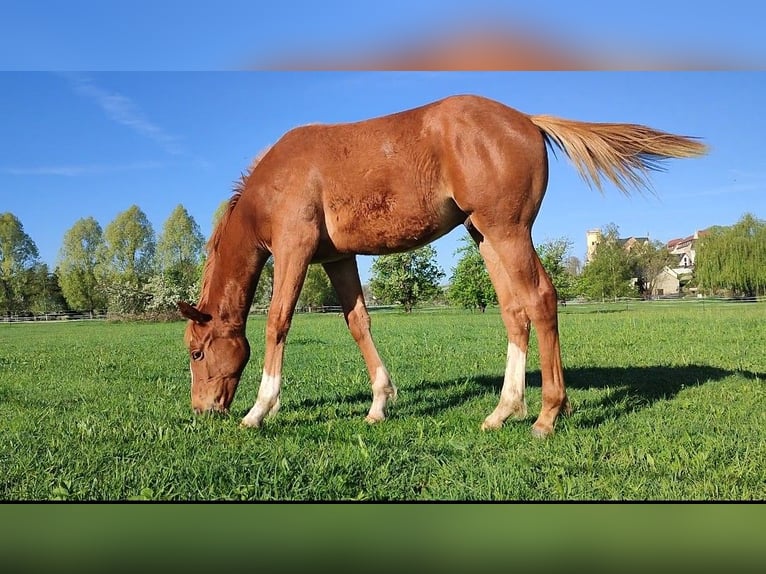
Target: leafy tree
{"type": "Point", "coordinates": [179, 248]}
{"type": "Point", "coordinates": [407, 277]}
{"type": "Point", "coordinates": [18, 254]}
{"type": "Point", "coordinates": [734, 258]}
{"type": "Point", "coordinates": [126, 297]}
{"type": "Point", "coordinates": [470, 285]}
{"type": "Point", "coordinates": [129, 244]}
{"type": "Point", "coordinates": [317, 290]}
{"type": "Point", "coordinates": [608, 274]}
{"type": "Point", "coordinates": [553, 256]}
{"type": "Point", "coordinates": [164, 295]}
{"type": "Point", "coordinates": [78, 262]}
{"type": "Point", "coordinates": [127, 261]}
{"type": "Point", "coordinates": [42, 292]}
{"type": "Point", "coordinates": [178, 258]}
{"type": "Point", "coordinates": [647, 262]}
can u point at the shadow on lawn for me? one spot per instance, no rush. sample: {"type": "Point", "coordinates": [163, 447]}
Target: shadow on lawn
{"type": "Point", "coordinates": [629, 389]}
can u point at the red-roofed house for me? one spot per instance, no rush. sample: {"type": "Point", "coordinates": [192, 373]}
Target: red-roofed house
{"type": "Point", "coordinates": [672, 279]}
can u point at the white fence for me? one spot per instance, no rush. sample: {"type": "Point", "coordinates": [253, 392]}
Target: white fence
{"type": "Point", "coordinates": [57, 316]}
{"type": "Point", "coordinates": [626, 302]}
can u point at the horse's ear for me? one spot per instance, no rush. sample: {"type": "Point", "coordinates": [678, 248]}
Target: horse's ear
{"type": "Point", "coordinates": [193, 313]}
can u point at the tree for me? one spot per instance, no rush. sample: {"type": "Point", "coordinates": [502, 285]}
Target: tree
{"type": "Point", "coordinates": [179, 248]}
{"type": "Point", "coordinates": [18, 254]}
{"type": "Point", "coordinates": [78, 262]}
{"type": "Point", "coordinates": [127, 261]}
{"type": "Point", "coordinates": [470, 285]}
{"type": "Point", "coordinates": [734, 257]}
{"type": "Point", "coordinates": [647, 262]}
{"type": "Point", "coordinates": [42, 292]}
{"type": "Point", "coordinates": [608, 274]}
{"type": "Point", "coordinates": [164, 294]}
{"type": "Point", "coordinates": [178, 258]}
{"type": "Point", "coordinates": [573, 266]}
{"type": "Point", "coordinates": [406, 278]}
{"type": "Point", "coordinates": [129, 244]}
{"type": "Point", "coordinates": [553, 256]}
{"type": "Point", "coordinates": [317, 290]}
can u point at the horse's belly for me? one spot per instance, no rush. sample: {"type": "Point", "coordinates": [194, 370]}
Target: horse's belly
{"type": "Point", "coordinates": [376, 232]}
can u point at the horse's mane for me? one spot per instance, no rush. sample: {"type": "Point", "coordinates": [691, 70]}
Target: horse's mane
{"type": "Point", "coordinates": [211, 247]}
{"type": "Point", "coordinates": [215, 238]}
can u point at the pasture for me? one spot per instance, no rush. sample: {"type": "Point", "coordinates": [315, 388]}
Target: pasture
{"type": "Point", "coordinates": [669, 404]}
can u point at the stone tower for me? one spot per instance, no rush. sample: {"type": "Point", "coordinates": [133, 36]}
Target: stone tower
{"type": "Point", "coordinates": [592, 238]}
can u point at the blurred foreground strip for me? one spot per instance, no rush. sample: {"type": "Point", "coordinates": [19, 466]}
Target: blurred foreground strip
{"type": "Point", "coordinates": [500, 48]}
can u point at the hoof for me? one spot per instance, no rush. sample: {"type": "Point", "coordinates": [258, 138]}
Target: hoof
{"type": "Point", "coordinates": [373, 419]}
{"type": "Point", "coordinates": [542, 432]}
{"type": "Point", "coordinates": [249, 423]}
{"type": "Point", "coordinates": [490, 425]}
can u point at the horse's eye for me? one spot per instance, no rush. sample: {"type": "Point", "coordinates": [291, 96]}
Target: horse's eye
{"type": "Point", "coordinates": [197, 355]}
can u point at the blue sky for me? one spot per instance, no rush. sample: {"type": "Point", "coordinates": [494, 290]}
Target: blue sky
{"type": "Point", "coordinates": [92, 144]}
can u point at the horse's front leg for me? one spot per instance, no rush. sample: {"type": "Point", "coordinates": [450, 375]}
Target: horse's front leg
{"type": "Point", "coordinates": [344, 277]}
{"type": "Point", "coordinates": [289, 274]}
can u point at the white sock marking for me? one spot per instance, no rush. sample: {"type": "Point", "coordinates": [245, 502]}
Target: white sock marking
{"type": "Point", "coordinates": [515, 375]}
{"type": "Point", "coordinates": [267, 401]}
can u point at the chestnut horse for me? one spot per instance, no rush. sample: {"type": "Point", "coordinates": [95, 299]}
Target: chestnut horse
{"type": "Point", "coordinates": [324, 193]}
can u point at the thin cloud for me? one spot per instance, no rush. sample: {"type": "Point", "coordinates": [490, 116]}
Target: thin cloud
{"type": "Point", "coordinates": [124, 111]}
{"type": "Point", "coordinates": [75, 170]}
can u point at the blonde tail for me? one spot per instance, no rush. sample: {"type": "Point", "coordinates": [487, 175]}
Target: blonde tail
{"type": "Point", "coordinates": [623, 153]}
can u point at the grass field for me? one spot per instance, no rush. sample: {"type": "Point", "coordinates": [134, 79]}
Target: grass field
{"type": "Point", "coordinates": [669, 404]}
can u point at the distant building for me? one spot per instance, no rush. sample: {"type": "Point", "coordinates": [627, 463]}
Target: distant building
{"type": "Point", "coordinates": [593, 238]}
{"type": "Point", "coordinates": [630, 242]}
{"type": "Point", "coordinates": [672, 279]}
{"type": "Point", "coordinates": [685, 248]}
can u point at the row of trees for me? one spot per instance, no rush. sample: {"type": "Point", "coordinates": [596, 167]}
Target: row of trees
{"type": "Point", "coordinates": [123, 268]}
{"type": "Point", "coordinates": [128, 270]}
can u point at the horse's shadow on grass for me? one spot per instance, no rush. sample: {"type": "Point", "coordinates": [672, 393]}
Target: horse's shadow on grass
{"type": "Point", "coordinates": [630, 389]}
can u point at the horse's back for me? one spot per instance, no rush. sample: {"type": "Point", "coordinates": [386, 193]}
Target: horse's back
{"type": "Point", "coordinates": [395, 182]}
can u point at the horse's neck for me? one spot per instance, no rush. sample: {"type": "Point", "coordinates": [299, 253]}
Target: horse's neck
{"type": "Point", "coordinates": [233, 277]}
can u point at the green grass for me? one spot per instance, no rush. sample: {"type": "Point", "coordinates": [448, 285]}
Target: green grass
{"type": "Point", "coordinates": [669, 404]}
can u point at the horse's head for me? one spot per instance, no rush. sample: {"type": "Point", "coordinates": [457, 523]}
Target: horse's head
{"type": "Point", "coordinates": [217, 357]}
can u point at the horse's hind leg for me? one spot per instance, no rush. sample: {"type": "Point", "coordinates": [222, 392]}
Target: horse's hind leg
{"type": "Point", "coordinates": [534, 291]}
{"type": "Point", "coordinates": [512, 402]}
{"type": "Point", "coordinates": [344, 277]}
